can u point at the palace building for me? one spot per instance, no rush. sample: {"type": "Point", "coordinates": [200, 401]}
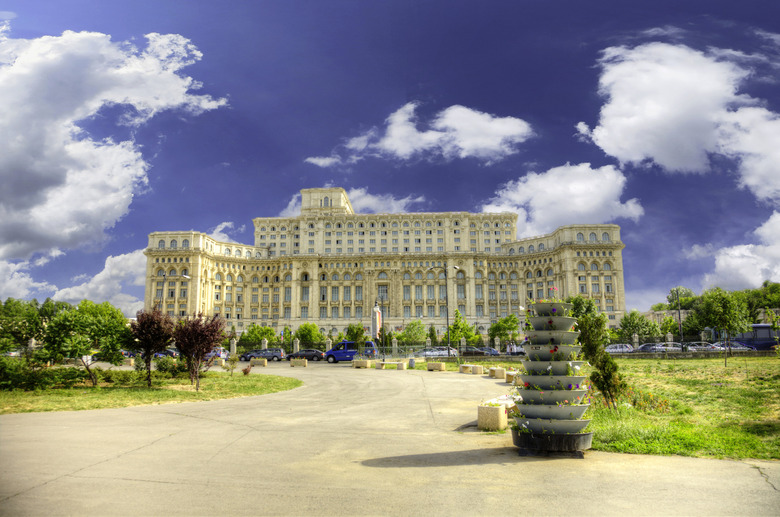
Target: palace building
{"type": "Point", "coordinates": [331, 266]}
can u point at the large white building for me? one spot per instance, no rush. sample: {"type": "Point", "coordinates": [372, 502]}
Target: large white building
{"type": "Point", "coordinates": [330, 266]}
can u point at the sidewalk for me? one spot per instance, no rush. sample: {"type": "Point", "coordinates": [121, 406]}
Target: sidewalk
{"type": "Point", "coordinates": [349, 442]}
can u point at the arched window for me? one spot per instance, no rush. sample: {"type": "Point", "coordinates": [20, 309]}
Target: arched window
{"type": "Point", "coordinates": [580, 237]}
{"type": "Point", "coordinates": [229, 278]}
{"type": "Point", "coordinates": [521, 250]}
{"type": "Point", "coordinates": [335, 277]}
{"type": "Point", "coordinates": [541, 246]}
{"type": "Point", "coordinates": [358, 276]}
{"type": "Point", "coordinates": [460, 275]}
{"type": "Point", "coordinates": [255, 280]}
{"type": "Point", "coordinates": [594, 267]}
{"type": "Point", "coordinates": [607, 267]}
{"type": "Point", "coordinates": [227, 251]}
{"type": "Point", "coordinates": [218, 277]}
{"type": "Point", "coordinates": [491, 276]}
{"type": "Point", "coordinates": [442, 276]}
{"type": "Point", "coordinates": [305, 277]}
{"type": "Point", "coordinates": [174, 244]}
{"type": "Point", "coordinates": [325, 201]}
{"type": "Point", "coordinates": [276, 278]}
{"type": "Point", "coordinates": [418, 276]}
{"type": "Point", "coordinates": [323, 276]}
{"type": "Point", "coordinates": [265, 279]}
{"type": "Point", "coordinates": [580, 267]}
{"type": "Point", "coordinates": [592, 237]}
{"type": "Point", "coordinates": [172, 272]}
{"type": "Point", "coordinates": [531, 248]}
{"type": "Point", "coordinates": [528, 274]}
{"type": "Point", "coordinates": [238, 253]}
{"type": "Point", "coordinates": [502, 276]}
{"type": "Point", "coordinates": [605, 237]}
{"type": "Point", "coordinates": [407, 276]}
{"type": "Point", "coordinates": [347, 276]}
{"type": "Point", "coordinates": [478, 274]}
{"type": "Point", "coordinates": [430, 275]}
{"type": "Point", "coordinates": [161, 244]}
{"type": "Point", "coordinates": [288, 277]}
{"type": "Point", "coordinates": [549, 272]}
{"type": "Point", "coordinates": [511, 251]}
{"type": "Point", "coordinates": [538, 273]}
{"type": "Point", "coordinates": [240, 278]}
{"type": "Point", "coordinates": [382, 276]}
{"type": "Point", "coordinates": [160, 272]}
{"type": "Point", "coordinates": [513, 276]}
{"type": "Point", "coordinates": [248, 254]}
{"type": "Point", "coordinates": [185, 243]}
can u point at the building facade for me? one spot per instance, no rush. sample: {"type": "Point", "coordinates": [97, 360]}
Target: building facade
{"type": "Point", "coordinates": [331, 266]}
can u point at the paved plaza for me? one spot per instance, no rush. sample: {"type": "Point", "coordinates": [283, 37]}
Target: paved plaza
{"type": "Point", "coordinates": [349, 442]}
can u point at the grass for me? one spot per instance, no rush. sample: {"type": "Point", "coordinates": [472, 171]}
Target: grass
{"type": "Point", "coordinates": [213, 386]}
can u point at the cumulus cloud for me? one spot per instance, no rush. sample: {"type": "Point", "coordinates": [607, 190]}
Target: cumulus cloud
{"type": "Point", "coordinates": [363, 202]}
{"type": "Point", "coordinates": [17, 282]}
{"type": "Point", "coordinates": [676, 107]}
{"type": "Point", "coordinates": [61, 187]}
{"type": "Point", "coordinates": [565, 195]}
{"type": "Point", "coordinates": [119, 274]}
{"type": "Point", "coordinates": [456, 132]}
{"type": "Point", "coordinates": [749, 265]}
{"type": "Point", "coordinates": [222, 231]}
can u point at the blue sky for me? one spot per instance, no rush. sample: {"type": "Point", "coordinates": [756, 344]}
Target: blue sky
{"type": "Point", "coordinates": [122, 118]}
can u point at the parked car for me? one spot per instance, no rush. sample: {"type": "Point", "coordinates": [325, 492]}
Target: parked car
{"type": "Point", "coordinates": [736, 346]}
{"type": "Point", "coordinates": [489, 350]}
{"type": "Point", "coordinates": [700, 346]}
{"type": "Point", "coordinates": [619, 348]}
{"type": "Point", "coordinates": [168, 352]}
{"type": "Point", "coordinates": [431, 352]}
{"type": "Point", "coordinates": [472, 351]}
{"type": "Point", "coordinates": [347, 350]}
{"type": "Point", "coordinates": [307, 353]}
{"type": "Point", "coordinates": [272, 354]}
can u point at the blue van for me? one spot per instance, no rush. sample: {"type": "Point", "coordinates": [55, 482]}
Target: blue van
{"type": "Point", "coordinates": [346, 351]}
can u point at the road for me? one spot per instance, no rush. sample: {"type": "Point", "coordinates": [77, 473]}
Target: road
{"type": "Point", "coordinates": [349, 442]}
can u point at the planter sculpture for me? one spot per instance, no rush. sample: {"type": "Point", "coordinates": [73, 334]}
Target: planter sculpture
{"type": "Point", "coordinates": [549, 394]}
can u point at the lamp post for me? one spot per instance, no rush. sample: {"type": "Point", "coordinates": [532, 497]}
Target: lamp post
{"type": "Point", "coordinates": [446, 300]}
{"type": "Point", "coordinates": [679, 317]}
{"type": "Point", "coordinates": [380, 300]}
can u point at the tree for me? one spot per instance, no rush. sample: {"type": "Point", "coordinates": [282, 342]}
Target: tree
{"type": "Point", "coordinates": [89, 329]}
{"type": "Point", "coordinates": [356, 333]}
{"type": "Point", "coordinates": [504, 329]}
{"type": "Point", "coordinates": [152, 333]}
{"type": "Point", "coordinates": [591, 325]}
{"type": "Point", "coordinates": [635, 323]}
{"type": "Point", "coordinates": [20, 323]}
{"type": "Point", "coordinates": [195, 337]}
{"type": "Point", "coordinates": [725, 311]}
{"type": "Point", "coordinates": [255, 334]}
{"type": "Point", "coordinates": [413, 334]}
{"type": "Point", "coordinates": [606, 378]}
{"type": "Point", "coordinates": [309, 334]}
{"type": "Point", "coordinates": [433, 336]}
{"type": "Point", "coordinates": [669, 325]}
{"type": "Point", "coordinates": [681, 292]}
{"type": "Point", "coordinates": [460, 329]}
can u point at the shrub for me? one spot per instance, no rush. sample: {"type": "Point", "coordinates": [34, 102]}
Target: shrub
{"type": "Point", "coordinates": [169, 366]}
{"type": "Point", "coordinates": [18, 373]}
{"type": "Point", "coordinates": [124, 377]}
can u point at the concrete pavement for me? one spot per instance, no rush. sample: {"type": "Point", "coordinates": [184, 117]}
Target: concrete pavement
{"type": "Point", "coordinates": [349, 442]}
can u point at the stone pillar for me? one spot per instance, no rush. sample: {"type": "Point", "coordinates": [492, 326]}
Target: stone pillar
{"type": "Point", "coordinates": [395, 347]}
{"type": "Point", "coordinates": [232, 346]}
{"type": "Point", "coordinates": [669, 337]}
{"type": "Point", "coordinates": [264, 344]}
{"type": "Point", "coordinates": [462, 342]}
{"type": "Point", "coordinates": [427, 342]}
{"type": "Point", "coordinates": [498, 344]}
{"type": "Point", "coordinates": [635, 340]}
{"type": "Point", "coordinates": [296, 345]}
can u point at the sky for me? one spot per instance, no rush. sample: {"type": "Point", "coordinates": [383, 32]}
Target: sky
{"type": "Point", "coordinates": [118, 119]}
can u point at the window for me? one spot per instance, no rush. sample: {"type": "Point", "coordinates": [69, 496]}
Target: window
{"type": "Point", "coordinates": [461, 291]}
{"type": "Point", "coordinates": [418, 292]}
{"type": "Point", "coordinates": [347, 294]}
{"type": "Point", "coordinates": [478, 291]}
{"type": "Point", "coordinates": [358, 296]}
{"type": "Point", "coordinates": [305, 293]}
{"type": "Point", "coordinates": [334, 293]}
{"type": "Point", "coordinates": [323, 294]}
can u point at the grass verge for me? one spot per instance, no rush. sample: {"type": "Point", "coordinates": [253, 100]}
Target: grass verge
{"type": "Point", "coordinates": [213, 386]}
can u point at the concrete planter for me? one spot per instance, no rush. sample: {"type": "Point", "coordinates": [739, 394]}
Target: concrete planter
{"type": "Point", "coordinates": [436, 367]}
{"type": "Point", "coordinates": [362, 363]}
{"type": "Point", "coordinates": [299, 362]}
{"type": "Point", "coordinates": [472, 368]}
{"type": "Point", "coordinates": [258, 362]}
{"type": "Point", "coordinates": [497, 373]}
{"type": "Point", "coordinates": [491, 418]}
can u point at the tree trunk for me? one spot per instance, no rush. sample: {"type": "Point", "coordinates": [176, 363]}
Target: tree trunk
{"type": "Point", "coordinates": [148, 360]}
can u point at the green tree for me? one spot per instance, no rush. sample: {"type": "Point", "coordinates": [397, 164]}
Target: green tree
{"type": "Point", "coordinates": [20, 322]}
{"type": "Point", "coordinates": [195, 337]}
{"type": "Point", "coordinates": [692, 325]}
{"type": "Point", "coordinates": [413, 334]}
{"type": "Point", "coordinates": [682, 292]}
{"type": "Point", "coordinates": [253, 336]}
{"type": "Point", "coordinates": [669, 325]}
{"type": "Point", "coordinates": [153, 333]}
{"type": "Point", "coordinates": [724, 311]}
{"type": "Point", "coordinates": [433, 336]}
{"type": "Point", "coordinates": [504, 329]}
{"type": "Point", "coordinates": [460, 329]}
{"type": "Point", "coordinates": [88, 329]}
{"type": "Point", "coordinates": [592, 326]}
{"type": "Point", "coordinates": [607, 379]}
{"type": "Point", "coordinates": [309, 334]}
{"type": "Point", "coordinates": [356, 333]}
{"type": "Point", "coordinates": [635, 323]}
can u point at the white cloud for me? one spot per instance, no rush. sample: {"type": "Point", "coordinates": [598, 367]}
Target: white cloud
{"type": "Point", "coordinates": [62, 188]}
{"type": "Point", "coordinates": [293, 208]}
{"type": "Point", "coordinates": [222, 231]}
{"type": "Point", "coordinates": [118, 274]}
{"type": "Point", "coordinates": [676, 106]}
{"type": "Point", "coordinates": [643, 299]}
{"type": "Point", "coordinates": [564, 194]}
{"type": "Point", "coordinates": [365, 203]}
{"type": "Point", "coordinates": [749, 265]}
{"type": "Point", "coordinates": [16, 282]}
{"type": "Point", "coordinates": [456, 132]}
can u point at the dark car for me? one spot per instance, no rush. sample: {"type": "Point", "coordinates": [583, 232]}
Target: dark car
{"type": "Point", "coordinates": [489, 350]}
{"type": "Point", "coordinates": [307, 353]}
{"type": "Point", "coordinates": [272, 354]}
{"type": "Point", "coordinates": [472, 350]}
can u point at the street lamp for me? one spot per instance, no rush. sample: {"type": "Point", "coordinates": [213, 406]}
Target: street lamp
{"type": "Point", "coordinates": [446, 300]}
{"type": "Point", "coordinates": [679, 317]}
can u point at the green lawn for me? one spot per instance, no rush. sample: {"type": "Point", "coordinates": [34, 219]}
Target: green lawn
{"type": "Point", "coordinates": [213, 386]}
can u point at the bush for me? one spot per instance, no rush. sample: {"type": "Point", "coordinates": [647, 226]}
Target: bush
{"type": "Point", "coordinates": [124, 377]}
{"type": "Point", "coordinates": [169, 366]}
{"type": "Point", "coordinates": [18, 373]}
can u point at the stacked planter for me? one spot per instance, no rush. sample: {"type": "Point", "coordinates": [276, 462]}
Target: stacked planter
{"type": "Point", "coordinates": [549, 394]}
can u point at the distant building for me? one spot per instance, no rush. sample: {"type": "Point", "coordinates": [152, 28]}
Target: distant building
{"type": "Point", "coordinates": [330, 266]}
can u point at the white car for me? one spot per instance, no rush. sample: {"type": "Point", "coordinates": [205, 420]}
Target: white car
{"type": "Point", "coordinates": [620, 348]}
